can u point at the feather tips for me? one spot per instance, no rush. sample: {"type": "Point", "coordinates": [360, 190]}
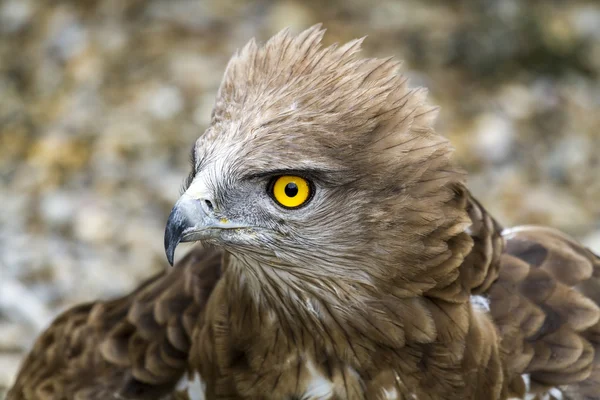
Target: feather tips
{"type": "Point", "coordinates": [133, 347]}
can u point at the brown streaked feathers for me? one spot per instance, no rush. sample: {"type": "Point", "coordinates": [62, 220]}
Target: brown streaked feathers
{"type": "Point", "coordinates": [393, 283]}
{"type": "Point", "coordinates": [133, 347]}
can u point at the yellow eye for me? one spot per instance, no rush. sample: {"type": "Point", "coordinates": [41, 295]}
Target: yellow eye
{"type": "Point", "coordinates": [291, 191]}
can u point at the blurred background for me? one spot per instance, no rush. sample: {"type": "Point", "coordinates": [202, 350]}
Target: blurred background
{"type": "Point", "coordinates": [101, 101]}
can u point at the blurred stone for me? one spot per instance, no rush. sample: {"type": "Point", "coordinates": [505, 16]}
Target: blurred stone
{"type": "Point", "coordinates": [58, 207]}
{"type": "Point", "coordinates": [18, 302]}
{"type": "Point", "coordinates": [93, 222]}
{"type": "Point", "coordinates": [290, 14]}
{"type": "Point", "coordinates": [9, 363]}
{"type": "Point", "coordinates": [67, 37]}
{"type": "Point", "coordinates": [493, 137]}
{"type": "Point", "coordinates": [593, 241]}
{"type": "Point", "coordinates": [57, 149]}
{"type": "Point", "coordinates": [545, 94]}
{"type": "Point", "coordinates": [585, 20]}
{"type": "Point", "coordinates": [516, 101]}
{"type": "Point", "coordinates": [112, 37]}
{"type": "Point", "coordinates": [196, 15]}
{"type": "Point", "coordinates": [14, 15]}
{"type": "Point", "coordinates": [557, 32]}
{"type": "Point", "coordinates": [203, 111]}
{"type": "Point", "coordinates": [196, 72]}
{"type": "Point", "coordinates": [162, 102]}
{"type": "Point", "coordinates": [14, 336]}
{"type": "Point", "coordinates": [568, 157]}
{"type": "Point", "coordinates": [549, 206]}
{"type": "Point", "coordinates": [593, 55]}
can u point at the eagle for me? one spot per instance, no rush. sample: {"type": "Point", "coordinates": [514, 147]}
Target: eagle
{"type": "Point", "coordinates": [340, 256]}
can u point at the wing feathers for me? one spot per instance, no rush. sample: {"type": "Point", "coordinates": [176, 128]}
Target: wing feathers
{"type": "Point", "coordinates": [545, 304]}
{"type": "Point", "coordinates": [135, 347]}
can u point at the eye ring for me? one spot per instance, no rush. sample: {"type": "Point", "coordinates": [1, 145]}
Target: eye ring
{"type": "Point", "coordinates": [291, 191]}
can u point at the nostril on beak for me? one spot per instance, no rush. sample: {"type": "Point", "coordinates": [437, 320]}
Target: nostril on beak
{"type": "Point", "coordinates": [208, 206]}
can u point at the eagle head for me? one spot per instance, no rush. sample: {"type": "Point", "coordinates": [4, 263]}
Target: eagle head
{"type": "Point", "coordinates": [320, 163]}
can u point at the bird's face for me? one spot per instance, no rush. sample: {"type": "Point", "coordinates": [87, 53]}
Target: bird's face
{"type": "Point", "coordinates": [282, 199]}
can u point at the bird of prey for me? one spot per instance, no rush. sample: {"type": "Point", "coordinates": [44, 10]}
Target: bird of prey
{"type": "Point", "coordinates": [341, 257]}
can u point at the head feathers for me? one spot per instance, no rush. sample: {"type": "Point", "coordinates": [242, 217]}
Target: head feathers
{"type": "Point", "coordinates": [359, 112]}
{"type": "Point", "coordinates": [293, 104]}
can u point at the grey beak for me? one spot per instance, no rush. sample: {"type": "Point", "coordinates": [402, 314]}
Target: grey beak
{"type": "Point", "coordinates": [192, 220]}
{"type": "Point", "coordinates": [187, 215]}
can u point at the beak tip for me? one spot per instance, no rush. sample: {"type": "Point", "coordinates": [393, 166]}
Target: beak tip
{"type": "Point", "coordinates": [170, 246]}
{"type": "Point", "coordinates": [172, 238]}
{"type": "Point", "coordinates": [170, 257]}
{"type": "Point", "coordinates": [186, 214]}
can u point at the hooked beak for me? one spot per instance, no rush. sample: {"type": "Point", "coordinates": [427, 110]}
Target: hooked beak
{"type": "Point", "coordinates": [192, 220]}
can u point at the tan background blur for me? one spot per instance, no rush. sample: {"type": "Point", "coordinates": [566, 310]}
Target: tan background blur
{"type": "Point", "coordinates": [100, 102]}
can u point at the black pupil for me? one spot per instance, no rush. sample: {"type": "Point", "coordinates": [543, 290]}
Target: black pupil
{"type": "Point", "coordinates": [291, 189]}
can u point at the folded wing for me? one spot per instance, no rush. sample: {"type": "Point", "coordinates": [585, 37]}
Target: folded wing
{"type": "Point", "coordinates": [544, 300]}
{"type": "Point", "coordinates": [134, 347]}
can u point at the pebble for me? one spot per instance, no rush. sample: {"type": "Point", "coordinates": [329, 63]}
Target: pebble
{"type": "Point", "coordinates": [516, 101]}
{"type": "Point", "coordinates": [585, 21]}
{"type": "Point", "coordinates": [15, 15]}
{"type": "Point", "coordinates": [93, 222]}
{"type": "Point", "coordinates": [203, 110]}
{"type": "Point", "coordinates": [494, 137]}
{"type": "Point", "coordinates": [20, 304]}
{"type": "Point", "coordinates": [592, 241]}
{"type": "Point", "coordinates": [58, 207]}
{"type": "Point", "coordinates": [163, 102]}
{"type": "Point", "coordinates": [290, 14]}
{"type": "Point", "coordinates": [9, 364]}
{"type": "Point", "coordinates": [14, 336]}
{"type": "Point", "coordinates": [67, 37]}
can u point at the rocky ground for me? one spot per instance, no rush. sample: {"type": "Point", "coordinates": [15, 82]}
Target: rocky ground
{"type": "Point", "coordinates": [100, 102]}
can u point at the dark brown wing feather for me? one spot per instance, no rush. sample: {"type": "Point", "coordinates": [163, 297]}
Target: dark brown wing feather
{"type": "Point", "coordinates": [135, 347]}
{"type": "Point", "coordinates": [544, 300]}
